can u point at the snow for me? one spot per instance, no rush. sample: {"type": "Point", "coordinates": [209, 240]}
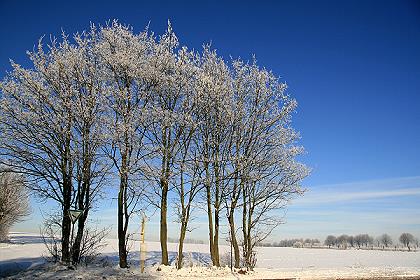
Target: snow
{"type": "Point", "coordinates": [24, 255]}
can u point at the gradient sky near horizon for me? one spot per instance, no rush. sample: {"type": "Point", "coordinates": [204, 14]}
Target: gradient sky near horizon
{"type": "Point", "coordinates": [353, 66]}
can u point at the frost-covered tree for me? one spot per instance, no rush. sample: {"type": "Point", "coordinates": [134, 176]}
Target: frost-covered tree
{"type": "Point", "coordinates": [187, 184]}
{"type": "Point", "coordinates": [88, 107]}
{"type": "Point", "coordinates": [50, 128]}
{"type": "Point", "coordinates": [363, 240]}
{"type": "Point", "coordinates": [342, 240]}
{"type": "Point", "coordinates": [385, 240]}
{"type": "Point", "coordinates": [212, 138]}
{"type": "Point", "coordinates": [37, 127]}
{"type": "Point", "coordinates": [125, 60]}
{"type": "Point", "coordinates": [407, 239]}
{"type": "Point", "coordinates": [331, 240]}
{"type": "Point", "coordinates": [358, 240]}
{"type": "Point", "coordinates": [173, 74]}
{"type": "Point", "coordinates": [186, 173]}
{"type": "Point", "coordinates": [270, 174]}
{"type": "Point", "coordinates": [14, 201]}
{"type": "Point", "coordinates": [350, 240]}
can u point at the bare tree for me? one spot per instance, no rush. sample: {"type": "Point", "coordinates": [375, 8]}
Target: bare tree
{"type": "Point", "coordinates": [386, 240]}
{"type": "Point", "coordinates": [342, 241]}
{"type": "Point", "coordinates": [173, 74]}
{"type": "Point", "coordinates": [407, 239]}
{"type": "Point", "coordinates": [331, 240]}
{"type": "Point", "coordinates": [125, 58]}
{"type": "Point", "coordinates": [14, 201]}
{"type": "Point", "coordinates": [315, 241]}
{"type": "Point", "coordinates": [350, 240]}
{"type": "Point", "coordinates": [363, 239]}
{"type": "Point", "coordinates": [212, 139]}
{"type": "Point", "coordinates": [187, 185]}
{"type": "Point", "coordinates": [270, 175]}
{"type": "Point", "coordinates": [186, 178]}
{"type": "Point", "coordinates": [37, 126]}
{"type": "Point", "coordinates": [91, 167]}
{"type": "Point", "coordinates": [50, 120]}
{"type": "Point", "coordinates": [358, 240]}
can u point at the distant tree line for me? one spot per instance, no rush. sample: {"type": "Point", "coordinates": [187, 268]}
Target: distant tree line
{"type": "Point", "coordinates": [365, 240]}
{"type": "Point", "coordinates": [186, 241]}
{"type": "Point", "coordinates": [344, 241]}
{"type": "Point", "coordinates": [293, 242]}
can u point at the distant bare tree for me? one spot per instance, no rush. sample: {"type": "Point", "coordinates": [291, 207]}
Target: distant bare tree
{"type": "Point", "coordinates": [377, 241]}
{"type": "Point", "coordinates": [350, 240]}
{"type": "Point", "coordinates": [385, 239]}
{"type": "Point", "coordinates": [14, 202]}
{"type": "Point", "coordinates": [369, 240]}
{"type": "Point", "coordinates": [331, 240]}
{"type": "Point", "coordinates": [363, 240]}
{"type": "Point", "coordinates": [342, 240]}
{"type": "Point", "coordinates": [406, 239]}
{"type": "Point", "coordinates": [315, 241]}
{"type": "Point", "coordinates": [358, 240]}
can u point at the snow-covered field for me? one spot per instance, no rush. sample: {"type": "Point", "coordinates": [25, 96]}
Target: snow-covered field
{"type": "Point", "coordinates": [22, 259]}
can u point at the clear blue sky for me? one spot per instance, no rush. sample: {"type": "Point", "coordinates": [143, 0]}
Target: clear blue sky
{"type": "Point", "coordinates": [353, 66]}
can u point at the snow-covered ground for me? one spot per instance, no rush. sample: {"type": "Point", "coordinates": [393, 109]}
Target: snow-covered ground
{"type": "Point", "coordinates": [22, 259]}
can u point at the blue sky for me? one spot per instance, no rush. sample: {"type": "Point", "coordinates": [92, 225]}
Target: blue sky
{"type": "Point", "coordinates": [353, 66]}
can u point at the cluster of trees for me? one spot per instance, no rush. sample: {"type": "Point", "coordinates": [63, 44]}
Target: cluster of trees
{"type": "Point", "coordinates": [349, 240]}
{"type": "Point", "coordinates": [186, 240]}
{"type": "Point", "coordinates": [365, 240]}
{"type": "Point", "coordinates": [301, 242]}
{"type": "Point", "coordinates": [114, 106]}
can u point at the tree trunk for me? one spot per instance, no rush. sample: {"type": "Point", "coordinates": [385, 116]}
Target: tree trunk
{"type": "Point", "coordinates": [181, 244]}
{"type": "Point", "coordinates": [233, 239]}
{"type": "Point", "coordinates": [65, 233]}
{"type": "Point", "coordinates": [122, 250]}
{"type": "Point", "coordinates": [66, 171]}
{"type": "Point", "coordinates": [66, 222]}
{"type": "Point", "coordinates": [209, 213]}
{"type": "Point", "coordinates": [244, 227]}
{"type": "Point", "coordinates": [78, 240]}
{"type": "Point", "coordinates": [249, 241]}
{"type": "Point", "coordinates": [216, 211]}
{"type": "Point", "coordinates": [84, 202]}
{"type": "Point", "coordinates": [163, 223]}
{"type": "Point", "coordinates": [216, 238]}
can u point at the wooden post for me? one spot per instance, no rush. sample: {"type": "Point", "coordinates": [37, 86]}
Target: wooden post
{"type": "Point", "coordinates": [142, 246]}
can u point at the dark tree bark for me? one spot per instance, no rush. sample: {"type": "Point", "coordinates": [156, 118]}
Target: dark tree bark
{"type": "Point", "coordinates": [181, 244]}
{"type": "Point", "coordinates": [66, 169]}
{"type": "Point", "coordinates": [163, 222]}
{"type": "Point", "coordinates": [209, 211]}
{"type": "Point", "coordinates": [122, 234]}
{"type": "Point", "coordinates": [233, 239]}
